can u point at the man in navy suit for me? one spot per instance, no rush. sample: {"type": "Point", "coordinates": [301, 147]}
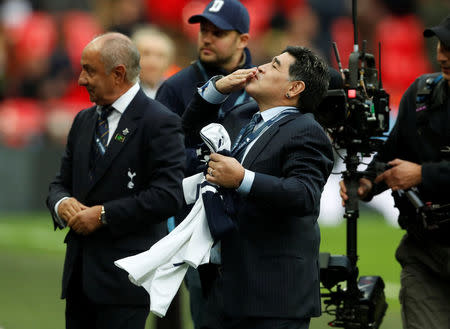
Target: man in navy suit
{"type": "Point", "coordinates": [120, 179]}
{"type": "Point", "coordinates": [268, 268]}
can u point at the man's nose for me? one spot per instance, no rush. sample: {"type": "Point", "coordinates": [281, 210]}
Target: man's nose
{"type": "Point", "coordinates": [442, 56]}
{"type": "Point", "coordinates": [206, 37]}
{"type": "Point", "coordinates": [82, 81]}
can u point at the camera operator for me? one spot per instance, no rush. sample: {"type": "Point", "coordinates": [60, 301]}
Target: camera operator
{"type": "Point", "coordinates": [418, 154]}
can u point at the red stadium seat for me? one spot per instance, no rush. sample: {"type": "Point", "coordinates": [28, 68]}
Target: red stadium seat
{"type": "Point", "coordinates": [21, 120]}
{"type": "Point", "coordinates": [35, 38]}
{"type": "Point", "coordinates": [403, 53]}
{"type": "Point", "coordinates": [78, 29]}
{"type": "Point", "coordinates": [59, 116]}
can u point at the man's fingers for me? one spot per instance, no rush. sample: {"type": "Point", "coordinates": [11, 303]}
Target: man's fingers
{"type": "Point", "coordinates": [71, 220]}
{"type": "Point", "coordinates": [245, 71]}
{"type": "Point", "coordinates": [69, 208]}
{"type": "Point", "coordinates": [395, 162]}
{"type": "Point", "coordinates": [216, 157]}
{"type": "Point", "coordinates": [380, 178]}
{"type": "Point", "coordinates": [362, 190]}
{"type": "Point", "coordinates": [211, 179]}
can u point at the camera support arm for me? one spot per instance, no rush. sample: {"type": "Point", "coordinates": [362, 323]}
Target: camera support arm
{"type": "Point", "coordinates": [351, 179]}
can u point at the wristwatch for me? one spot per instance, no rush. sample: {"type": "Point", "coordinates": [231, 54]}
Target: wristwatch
{"type": "Point", "coordinates": [102, 217]}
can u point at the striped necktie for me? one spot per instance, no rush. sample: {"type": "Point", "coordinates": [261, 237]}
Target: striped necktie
{"type": "Point", "coordinates": [238, 149]}
{"type": "Point", "coordinates": [102, 130]}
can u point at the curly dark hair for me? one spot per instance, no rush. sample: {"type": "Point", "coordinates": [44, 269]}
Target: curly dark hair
{"type": "Point", "coordinates": [313, 71]}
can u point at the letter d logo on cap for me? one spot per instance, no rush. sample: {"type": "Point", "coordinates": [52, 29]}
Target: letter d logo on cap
{"type": "Point", "coordinates": [217, 5]}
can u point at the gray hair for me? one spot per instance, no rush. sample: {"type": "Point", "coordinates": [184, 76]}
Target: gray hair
{"type": "Point", "coordinates": [117, 49]}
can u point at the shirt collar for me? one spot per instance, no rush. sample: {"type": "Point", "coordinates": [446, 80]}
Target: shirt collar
{"type": "Point", "coordinates": [123, 101]}
{"type": "Point", "coordinates": [273, 112]}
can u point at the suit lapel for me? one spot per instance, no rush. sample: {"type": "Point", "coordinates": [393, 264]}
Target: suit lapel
{"type": "Point", "coordinates": [265, 138]}
{"type": "Point", "coordinates": [125, 131]}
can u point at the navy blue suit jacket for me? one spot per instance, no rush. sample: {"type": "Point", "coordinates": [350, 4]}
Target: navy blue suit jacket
{"type": "Point", "coordinates": [153, 150]}
{"type": "Point", "coordinates": [270, 264]}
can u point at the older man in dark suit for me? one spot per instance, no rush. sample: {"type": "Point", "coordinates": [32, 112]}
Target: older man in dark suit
{"type": "Point", "coordinates": [268, 273]}
{"type": "Point", "coordinates": [120, 178]}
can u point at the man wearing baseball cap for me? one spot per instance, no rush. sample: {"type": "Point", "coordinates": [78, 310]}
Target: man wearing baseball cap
{"type": "Point", "coordinates": [417, 151]}
{"type": "Point", "coordinates": [442, 32]}
{"type": "Point", "coordinates": [222, 49]}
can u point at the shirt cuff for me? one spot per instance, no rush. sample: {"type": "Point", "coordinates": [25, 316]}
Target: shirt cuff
{"type": "Point", "coordinates": [61, 222]}
{"type": "Point", "coordinates": [209, 92]}
{"type": "Point", "coordinates": [247, 183]}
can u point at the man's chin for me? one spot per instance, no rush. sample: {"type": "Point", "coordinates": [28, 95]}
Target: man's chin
{"type": "Point", "coordinates": [249, 88]}
{"type": "Point", "coordinates": [446, 76]}
{"type": "Point", "coordinates": [210, 59]}
{"type": "Point", "coordinates": [93, 99]}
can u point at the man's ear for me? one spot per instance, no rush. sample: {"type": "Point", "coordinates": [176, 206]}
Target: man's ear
{"type": "Point", "coordinates": [296, 88]}
{"type": "Point", "coordinates": [243, 40]}
{"type": "Point", "coordinates": [119, 73]}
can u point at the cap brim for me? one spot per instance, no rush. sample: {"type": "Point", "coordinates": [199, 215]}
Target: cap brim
{"type": "Point", "coordinates": [441, 33]}
{"type": "Point", "coordinates": [217, 21]}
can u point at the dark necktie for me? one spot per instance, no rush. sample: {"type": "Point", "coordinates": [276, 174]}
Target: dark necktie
{"type": "Point", "coordinates": [239, 149]}
{"type": "Point", "coordinates": [102, 131]}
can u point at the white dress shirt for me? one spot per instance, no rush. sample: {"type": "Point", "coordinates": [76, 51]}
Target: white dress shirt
{"type": "Point", "coordinates": [119, 105]}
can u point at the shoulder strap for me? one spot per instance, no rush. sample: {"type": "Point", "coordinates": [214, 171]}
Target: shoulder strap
{"type": "Point", "coordinates": [425, 88]}
{"type": "Point", "coordinates": [427, 102]}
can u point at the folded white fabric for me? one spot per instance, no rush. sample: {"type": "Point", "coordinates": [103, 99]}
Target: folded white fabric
{"type": "Point", "coordinates": [161, 269]}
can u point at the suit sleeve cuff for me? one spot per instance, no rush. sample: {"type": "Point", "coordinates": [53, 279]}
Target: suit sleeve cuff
{"type": "Point", "coordinates": [61, 223]}
{"type": "Point", "coordinates": [209, 92]}
{"type": "Point", "coordinates": [247, 182]}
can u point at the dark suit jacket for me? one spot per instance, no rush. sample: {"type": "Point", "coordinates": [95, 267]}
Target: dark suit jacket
{"type": "Point", "coordinates": [153, 149]}
{"type": "Point", "coordinates": [270, 263]}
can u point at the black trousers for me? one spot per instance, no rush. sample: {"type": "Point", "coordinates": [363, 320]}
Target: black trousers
{"type": "Point", "coordinates": [83, 313]}
{"type": "Point", "coordinates": [214, 317]}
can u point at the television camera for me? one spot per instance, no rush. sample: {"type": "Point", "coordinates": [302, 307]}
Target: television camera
{"type": "Point", "coordinates": [356, 118]}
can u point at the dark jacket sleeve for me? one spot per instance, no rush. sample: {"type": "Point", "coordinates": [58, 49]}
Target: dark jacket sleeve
{"type": "Point", "coordinates": [61, 186]}
{"type": "Point", "coordinates": [198, 114]}
{"type": "Point", "coordinates": [306, 161]}
{"type": "Point", "coordinates": [167, 94]}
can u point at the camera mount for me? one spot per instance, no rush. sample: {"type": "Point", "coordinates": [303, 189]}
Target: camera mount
{"type": "Point", "coordinates": [355, 118]}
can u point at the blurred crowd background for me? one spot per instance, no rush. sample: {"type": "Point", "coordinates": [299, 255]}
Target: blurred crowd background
{"type": "Point", "coordinates": [41, 43]}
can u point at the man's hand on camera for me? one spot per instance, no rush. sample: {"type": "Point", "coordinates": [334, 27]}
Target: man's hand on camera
{"type": "Point", "coordinates": [365, 186]}
{"type": "Point", "coordinates": [402, 176]}
{"type": "Point", "coordinates": [235, 81]}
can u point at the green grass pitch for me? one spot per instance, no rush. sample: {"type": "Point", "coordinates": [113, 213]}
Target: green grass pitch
{"type": "Point", "coordinates": [32, 255]}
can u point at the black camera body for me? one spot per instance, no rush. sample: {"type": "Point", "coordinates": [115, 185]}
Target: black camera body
{"type": "Point", "coordinates": [358, 113]}
{"type": "Point", "coordinates": [363, 308]}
